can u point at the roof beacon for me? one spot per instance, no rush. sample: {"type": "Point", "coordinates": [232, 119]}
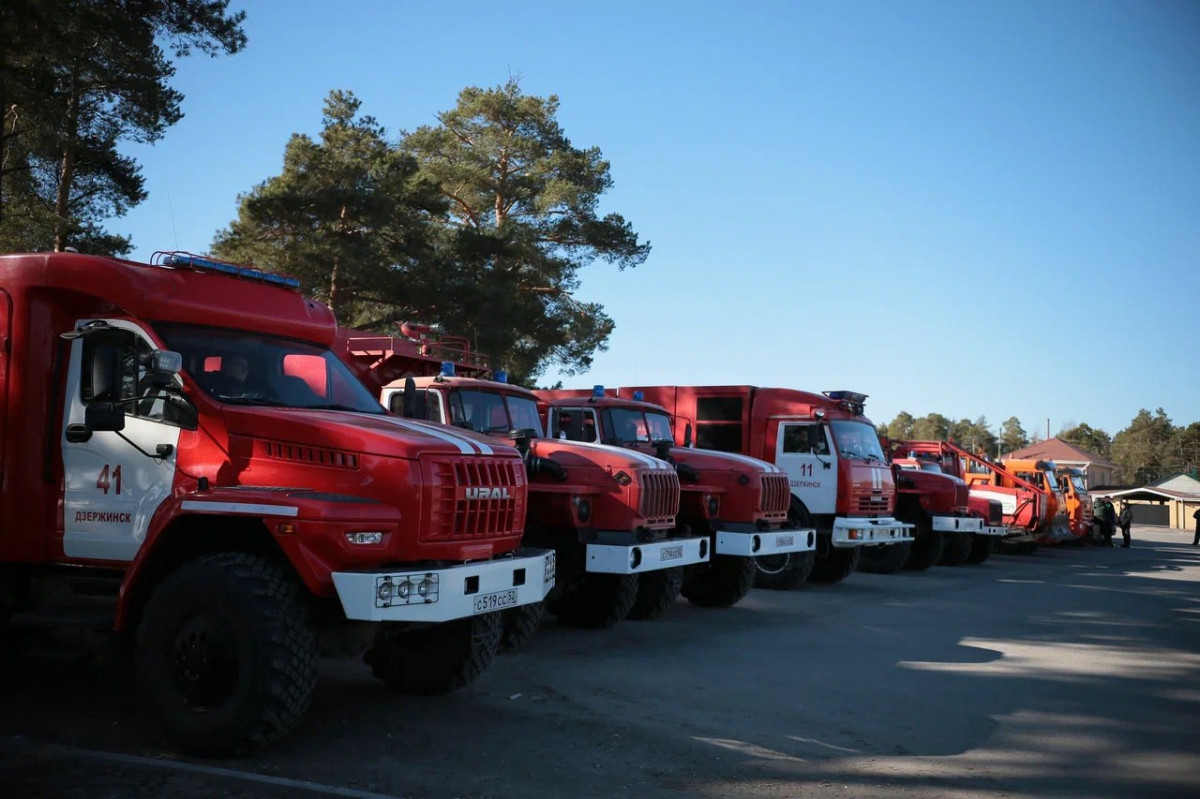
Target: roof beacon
{"type": "Point", "coordinates": [597, 391]}
{"type": "Point", "coordinates": [447, 368]}
{"type": "Point", "coordinates": [638, 396]}
{"type": "Point", "coordinates": [500, 376]}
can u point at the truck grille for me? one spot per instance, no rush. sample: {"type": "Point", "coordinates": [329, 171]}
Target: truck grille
{"type": "Point", "coordinates": [474, 498]}
{"type": "Point", "coordinates": [660, 496]}
{"type": "Point", "coordinates": [868, 505]}
{"type": "Point", "coordinates": [776, 494]}
{"type": "Point", "coordinates": [962, 496]}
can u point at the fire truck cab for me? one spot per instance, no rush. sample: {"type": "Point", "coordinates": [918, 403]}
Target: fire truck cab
{"type": "Point", "coordinates": [187, 464]}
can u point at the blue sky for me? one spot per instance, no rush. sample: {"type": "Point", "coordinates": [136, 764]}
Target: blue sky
{"type": "Point", "coordinates": [968, 208]}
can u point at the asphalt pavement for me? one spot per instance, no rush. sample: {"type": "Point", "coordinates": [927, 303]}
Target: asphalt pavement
{"type": "Point", "coordinates": [1072, 672]}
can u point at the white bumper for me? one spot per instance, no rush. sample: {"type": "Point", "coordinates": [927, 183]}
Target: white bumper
{"type": "Point", "coordinates": [996, 530]}
{"type": "Point", "coordinates": [751, 545]}
{"type": "Point", "coordinates": [638, 558]}
{"type": "Point", "coordinates": [446, 594]}
{"type": "Point", "coordinates": [860, 532]}
{"type": "Point", "coordinates": [957, 524]}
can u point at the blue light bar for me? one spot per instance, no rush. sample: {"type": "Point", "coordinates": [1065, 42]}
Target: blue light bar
{"type": "Point", "coordinates": [233, 270]}
{"type": "Point", "coordinates": [500, 376]}
{"type": "Point", "coordinates": [849, 396]}
{"type": "Point", "coordinates": [448, 368]}
{"type": "Point", "coordinates": [597, 391]}
{"type": "Point", "coordinates": [638, 396]}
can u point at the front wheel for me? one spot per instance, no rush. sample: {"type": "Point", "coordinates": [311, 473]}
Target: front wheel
{"type": "Point", "coordinates": [981, 548]}
{"type": "Point", "coordinates": [885, 559]}
{"type": "Point", "coordinates": [520, 623]}
{"type": "Point", "coordinates": [720, 583]}
{"type": "Point", "coordinates": [836, 566]}
{"type": "Point", "coordinates": [226, 661]}
{"type": "Point", "coordinates": [436, 659]}
{"type": "Point", "coordinates": [657, 592]}
{"type": "Point", "coordinates": [788, 570]}
{"type": "Point", "coordinates": [956, 549]}
{"type": "Point", "coordinates": [927, 545]}
{"type": "Point", "coordinates": [595, 601]}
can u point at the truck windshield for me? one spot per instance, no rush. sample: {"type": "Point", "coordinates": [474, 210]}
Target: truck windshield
{"type": "Point", "coordinates": [245, 368]}
{"type": "Point", "coordinates": [625, 426]}
{"type": "Point", "coordinates": [493, 411]}
{"type": "Point", "coordinates": [856, 440]}
{"type": "Point", "coordinates": [660, 427]}
{"type": "Point", "coordinates": [1077, 481]}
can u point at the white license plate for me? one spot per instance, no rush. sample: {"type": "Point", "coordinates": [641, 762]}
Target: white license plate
{"type": "Point", "coordinates": [670, 553]}
{"type": "Point", "coordinates": [784, 541]}
{"type": "Point", "coordinates": [486, 603]}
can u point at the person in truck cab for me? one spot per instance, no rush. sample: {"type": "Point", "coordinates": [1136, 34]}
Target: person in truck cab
{"type": "Point", "coordinates": [230, 380]}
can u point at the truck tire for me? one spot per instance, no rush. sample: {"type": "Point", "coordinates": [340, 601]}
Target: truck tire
{"type": "Point", "coordinates": [657, 592]}
{"type": "Point", "coordinates": [956, 548]}
{"type": "Point", "coordinates": [520, 623]}
{"type": "Point", "coordinates": [836, 566]}
{"type": "Point", "coordinates": [884, 559]}
{"type": "Point", "coordinates": [927, 545]}
{"type": "Point", "coordinates": [981, 548]}
{"type": "Point", "coordinates": [436, 659]}
{"type": "Point", "coordinates": [226, 660]}
{"type": "Point", "coordinates": [596, 601]}
{"type": "Point", "coordinates": [720, 583]}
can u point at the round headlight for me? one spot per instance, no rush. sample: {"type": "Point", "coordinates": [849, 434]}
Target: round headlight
{"type": "Point", "coordinates": [424, 587]}
{"type": "Point", "coordinates": [404, 589]}
{"type": "Point", "coordinates": [384, 592]}
{"type": "Point", "coordinates": [635, 557]}
{"type": "Point", "coordinates": [713, 506]}
{"type": "Point", "coordinates": [583, 509]}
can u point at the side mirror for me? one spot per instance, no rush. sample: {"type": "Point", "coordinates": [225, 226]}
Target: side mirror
{"type": "Point", "coordinates": [104, 416]}
{"type": "Point", "coordinates": [687, 434]}
{"type": "Point", "coordinates": [415, 405]}
{"type": "Point", "coordinates": [163, 366]}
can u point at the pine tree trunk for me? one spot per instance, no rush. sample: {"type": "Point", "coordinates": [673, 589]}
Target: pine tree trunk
{"type": "Point", "coordinates": [66, 175]}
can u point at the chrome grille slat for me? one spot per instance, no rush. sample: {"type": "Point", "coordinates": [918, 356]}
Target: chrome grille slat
{"type": "Point", "coordinates": [776, 493]}
{"type": "Point", "coordinates": [659, 496]}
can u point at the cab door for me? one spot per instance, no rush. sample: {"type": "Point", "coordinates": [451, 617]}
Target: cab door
{"type": "Point", "coordinates": [114, 481]}
{"type": "Point", "coordinates": [803, 450]}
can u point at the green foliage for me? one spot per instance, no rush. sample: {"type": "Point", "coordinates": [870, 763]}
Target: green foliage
{"type": "Point", "coordinates": [1140, 448]}
{"type": "Point", "coordinates": [1181, 453]}
{"type": "Point", "coordinates": [1012, 435]}
{"type": "Point", "coordinates": [1092, 439]}
{"type": "Point", "coordinates": [350, 217]}
{"type": "Point", "coordinates": [523, 221]}
{"type": "Point", "coordinates": [80, 77]}
{"type": "Point", "coordinates": [974, 436]}
{"type": "Point", "coordinates": [933, 427]}
{"type": "Point", "coordinates": [900, 428]}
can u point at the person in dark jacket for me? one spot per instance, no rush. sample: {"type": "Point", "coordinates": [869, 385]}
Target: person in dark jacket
{"type": "Point", "coordinates": [1125, 521]}
{"type": "Point", "coordinates": [1105, 515]}
{"type": "Point", "coordinates": [1196, 539]}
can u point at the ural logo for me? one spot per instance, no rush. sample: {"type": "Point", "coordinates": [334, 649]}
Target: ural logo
{"type": "Point", "coordinates": [482, 492]}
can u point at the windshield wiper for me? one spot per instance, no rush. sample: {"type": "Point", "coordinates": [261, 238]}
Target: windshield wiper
{"type": "Point", "coordinates": [333, 406]}
{"type": "Point", "coordinates": [235, 400]}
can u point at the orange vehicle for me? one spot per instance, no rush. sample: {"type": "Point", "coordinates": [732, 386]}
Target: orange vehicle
{"type": "Point", "coordinates": [1077, 500]}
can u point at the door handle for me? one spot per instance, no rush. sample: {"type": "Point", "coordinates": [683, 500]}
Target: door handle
{"type": "Point", "coordinates": [78, 433]}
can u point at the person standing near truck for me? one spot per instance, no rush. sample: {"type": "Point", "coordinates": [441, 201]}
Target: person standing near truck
{"type": "Point", "coordinates": [1196, 538]}
{"type": "Point", "coordinates": [1124, 521]}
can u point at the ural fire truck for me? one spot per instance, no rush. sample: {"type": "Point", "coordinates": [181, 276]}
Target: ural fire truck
{"type": "Point", "coordinates": [1077, 500]}
{"type": "Point", "coordinates": [187, 464]}
{"type": "Point", "coordinates": [840, 483]}
{"type": "Point", "coordinates": [608, 512]}
{"type": "Point", "coordinates": [740, 503]}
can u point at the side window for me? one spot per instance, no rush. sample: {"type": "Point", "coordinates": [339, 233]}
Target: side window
{"type": "Point", "coordinates": [806, 439]}
{"type": "Point", "coordinates": [575, 424]}
{"type": "Point", "coordinates": [719, 423]}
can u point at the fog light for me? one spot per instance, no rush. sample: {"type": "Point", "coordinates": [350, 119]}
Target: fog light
{"type": "Point", "coordinates": [712, 506]}
{"type": "Point", "coordinates": [551, 564]}
{"type": "Point", "coordinates": [365, 538]}
{"type": "Point", "coordinates": [635, 558]}
{"type": "Point", "coordinates": [583, 509]}
{"type": "Point", "coordinates": [425, 587]}
{"type": "Point", "coordinates": [383, 591]}
{"type": "Point", "coordinates": [404, 589]}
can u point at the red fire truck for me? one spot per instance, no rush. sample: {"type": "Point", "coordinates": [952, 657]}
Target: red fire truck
{"type": "Point", "coordinates": [740, 502]}
{"type": "Point", "coordinates": [608, 512]}
{"type": "Point", "coordinates": [840, 483]}
{"type": "Point", "coordinates": [187, 464]}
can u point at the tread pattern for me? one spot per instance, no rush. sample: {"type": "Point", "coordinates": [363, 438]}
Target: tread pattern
{"type": "Point", "coordinates": [597, 601]}
{"type": "Point", "coordinates": [283, 657]}
{"type": "Point", "coordinates": [436, 659]}
{"type": "Point", "coordinates": [657, 592]}
{"type": "Point", "coordinates": [722, 583]}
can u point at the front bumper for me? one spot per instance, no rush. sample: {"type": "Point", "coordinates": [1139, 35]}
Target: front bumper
{"type": "Point", "coordinates": [451, 592]}
{"type": "Point", "coordinates": [776, 542]}
{"type": "Point", "coordinates": [957, 524]}
{"type": "Point", "coordinates": [653, 556]}
{"type": "Point", "coordinates": [996, 530]}
{"type": "Point", "coordinates": [866, 532]}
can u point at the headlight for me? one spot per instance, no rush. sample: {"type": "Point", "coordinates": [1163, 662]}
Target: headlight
{"type": "Point", "coordinates": [583, 509]}
{"type": "Point", "coordinates": [407, 589]}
